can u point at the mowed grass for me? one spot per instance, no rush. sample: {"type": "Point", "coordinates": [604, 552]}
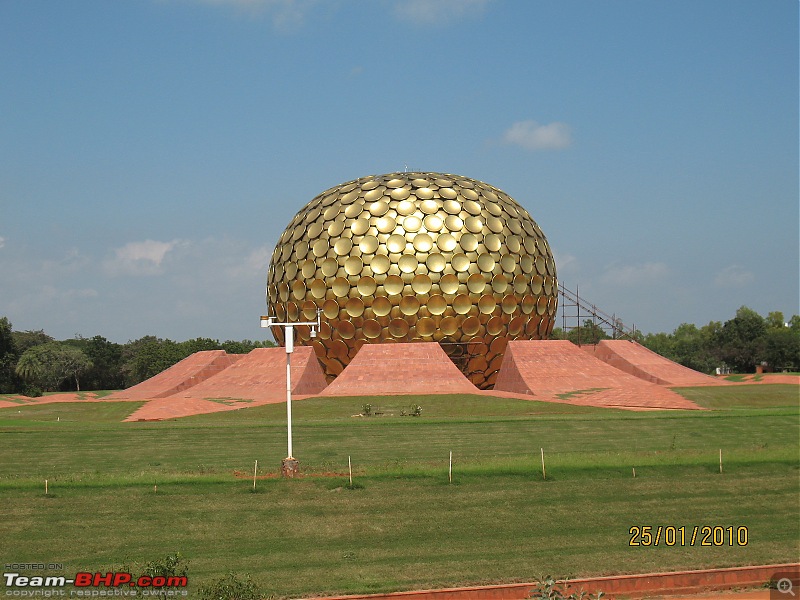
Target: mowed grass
{"type": "Point", "coordinates": [404, 526]}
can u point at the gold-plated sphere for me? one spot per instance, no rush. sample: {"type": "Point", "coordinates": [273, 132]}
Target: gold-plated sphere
{"type": "Point", "coordinates": [407, 257]}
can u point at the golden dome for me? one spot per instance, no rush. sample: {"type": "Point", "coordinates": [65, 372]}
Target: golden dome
{"type": "Point", "coordinates": [407, 257]}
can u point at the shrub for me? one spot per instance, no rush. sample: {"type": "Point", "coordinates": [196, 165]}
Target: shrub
{"type": "Point", "coordinates": [230, 587]}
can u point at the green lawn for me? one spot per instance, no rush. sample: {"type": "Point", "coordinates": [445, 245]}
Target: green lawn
{"type": "Point", "coordinates": [405, 526]}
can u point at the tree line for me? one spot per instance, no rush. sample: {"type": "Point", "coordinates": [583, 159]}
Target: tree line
{"type": "Point", "coordinates": [32, 361]}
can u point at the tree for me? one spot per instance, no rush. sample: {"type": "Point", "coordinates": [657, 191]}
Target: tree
{"type": "Point", "coordinates": [47, 365]}
{"type": "Point", "coordinates": [9, 382]}
{"type": "Point", "coordinates": [740, 342]}
{"type": "Point", "coordinates": [589, 333]}
{"type": "Point", "coordinates": [28, 339]}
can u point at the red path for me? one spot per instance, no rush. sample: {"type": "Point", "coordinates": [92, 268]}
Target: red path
{"type": "Point", "coordinates": [559, 371]}
{"type": "Point", "coordinates": [179, 377]}
{"type": "Point", "coordinates": [635, 359]}
{"type": "Point", "coordinates": [413, 368]}
{"type": "Point", "coordinates": [253, 379]}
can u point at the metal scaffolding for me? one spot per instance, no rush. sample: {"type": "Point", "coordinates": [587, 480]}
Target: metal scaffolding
{"type": "Point", "coordinates": [576, 310]}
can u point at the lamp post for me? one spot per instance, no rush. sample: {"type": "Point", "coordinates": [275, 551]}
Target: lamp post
{"type": "Point", "coordinates": [290, 465]}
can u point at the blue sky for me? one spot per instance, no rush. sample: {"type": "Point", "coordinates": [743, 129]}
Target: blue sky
{"type": "Point", "coordinates": [152, 151]}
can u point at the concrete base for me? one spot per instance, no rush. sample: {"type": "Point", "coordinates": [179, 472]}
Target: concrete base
{"type": "Point", "coordinates": [290, 467]}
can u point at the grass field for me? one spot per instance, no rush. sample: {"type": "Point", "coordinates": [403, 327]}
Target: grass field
{"type": "Point", "coordinates": [403, 526]}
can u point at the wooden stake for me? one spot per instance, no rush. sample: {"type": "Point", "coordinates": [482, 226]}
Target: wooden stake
{"type": "Point", "coordinates": [155, 489]}
{"type": "Point", "coordinates": [720, 460]}
{"type": "Point", "coordinates": [450, 470]}
{"type": "Point", "coordinates": [350, 469]}
{"type": "Point", "coordinates": [45, 487]}
{"type": "Point", "coordinates": [255, 472]}
{"type": "Point", "coordinates": [544, 473]}
{"type": "Point", "coordinates": [634, 472]}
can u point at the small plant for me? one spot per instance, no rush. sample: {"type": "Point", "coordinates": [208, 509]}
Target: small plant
{"type": "Point", "coordinates": [230, 587]}
{"type": "Point", "coordinates": [366, 410]}
{"type": "Point", "coordinates": [172, 567]}
{"type": "Point", "coordinates": [414, 410]}
{"type": "Point", "coordinates": [549, 589]}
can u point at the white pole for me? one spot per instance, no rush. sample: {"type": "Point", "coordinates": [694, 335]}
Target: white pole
{"type": "Point", "coordinates": [720, 460]}
{"type": "Point", "coordinates": [450, 472]}
{"type": "Point", "coordinates": [289, 347]}
{"type": "Point", "coordinates": [45, 487]}
{"type": "Point", "coordinates": [350, 469]}
{"type": "Point", "coordinates": [544, 473]}
{"type": "Point", "coordinates": [255, 472]}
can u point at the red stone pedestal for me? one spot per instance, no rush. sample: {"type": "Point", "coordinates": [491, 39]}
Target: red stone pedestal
{"type": "Point", "coordinates": [290, 467]}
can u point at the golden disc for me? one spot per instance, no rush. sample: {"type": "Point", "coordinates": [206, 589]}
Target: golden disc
{"type": "Point", "coordinates": [433, 223]}
{"type": "Point", "coordinates": [371, 329]}
{"type": "Point", "coordinates": [341, 287]}
{"type": "Point", "coordinates": [437, 304]}
{"type": "Point", "coordinates": [474, 224]}
{"type": "Point", "coordinates": [494, 326]}
{"type": "Point", "coordinates": [343, 246]}
{"type": "Point", "coordinates": [520, 284]}
{"type": "Point", "coordinates": [509, 304]}
{"type": "Point", "coordinates": [526, 263]}
{"type": "Point", "coordinates": [335, 228]}
{"type": "Point", "coordinates": [368, 244]}
{"type": "Point", "coordinates": [469, 194]}
{"type": "Point", "coordinates": [453, 223]}
{"type": "Point", "coordinates": [385, 224]}
{"type": "Point", "coordinates": [446, 242]}
{"type": "Point", "coordinates": [421, 284]}
{"type": "Point", "coordinates": [374, 195]}
{"type": "Point", "coordinates": [508, 263]}
{"type": "Point", "coordinates": [487, 304]}
{"type": "Point", "coordinates": [400, 193]}
{"type": "Point", "coordinates": [346, 330]}
{"type": "Point", "coordinates": [492, 242]}
{"type": "Point", "coordinates": [528, 304]}
{"type": "Point", "coordinates": [426, 326]}
{"type": "Point", "coordinates": [448, 325]}
{"type": "Point", "coordinates": [395, 183]}
{"type": "Point", "coordinates": [398, 328]}
{"type": "Point", "coordinates": [476, 283]}
{"type": "Point", "coordinates": [409, 305]}
{"type": "Point", "coordinates": [379, 264]}
{"type": "Point", "coordinates": [353, 210]}
{"type": "Point", "coordinates": [541, 305]}
{"type": "Point", "coordinates": [408, 263]}
{"type": "Point", "coordinates": [379, 208]}
{"type": "Point", "coordinates": [358, 227]}
{"type": "Point", "coordinates": [396, 243]}
{"type": "Point", "coordinates": [462, 304]}
{"type": "Point", "coordinates": [429, 207]}
{"type": "Point", "coordinates": [299, 290]}
{"type": "Point", "coordinates": [536, 284]}
{"type": "Point", "coordinates": [436, 263]}
{"type": "Point", "coordinates": [486, 263]}
{"type": "Point", "coordinates": [318, 288]}
{"type": "Point", "coordinates": [405, 207]}
{"type": "Point", "coordinates": [367, 286]}
{"type": "Point", "coordinates": [393, 285]}
{"type": "Point", "coordinates": [354, 307]}
{"type": "Point", "coordinates": [449, 284]}
{"type": "Point", "coordinates": [447, 193]}
{"type": "Point", "coordinates": [424, 193]}
{"type": "Point", "coordinates": [412, 224]}
{"type": "Point", "coordinates": [330, 309]}
{"type": "Point", "coordinates": [353, 265]}
{"type": "Point", "coordinates": [451, 207]}
{"type": "Point", "coordinates": [381, 306]}
{"type": "Point", "coordinates": [292, 311]}
{"type": "Point", "coordinates": [320, 248]}
{"type": "Point", "coordinates": [460, 263]}
{"type": "Point", "coordinates": [422, 242]}
{"type": "Point", "coordinates": [471, 326]}
{"type": "Point", "coordinates": [468, 242]}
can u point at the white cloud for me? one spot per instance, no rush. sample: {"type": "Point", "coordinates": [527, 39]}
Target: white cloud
{"type": "Point", "coordinates": [533, 136]}
{"type": "Point", "coordinates": [139, 258]}
{"type": "Point", "coordinates": [644, 274]}
{"type": "Point", "coordinates": [565, 263]}
{"type": "Point", "coordinates": [438, 12]}
{"type": "Point", "coordinates": [2, 241]}
{"type": "Point", "coordinates": [285, 14]}
{"type": "Point", "coordinates": [734, 276]}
